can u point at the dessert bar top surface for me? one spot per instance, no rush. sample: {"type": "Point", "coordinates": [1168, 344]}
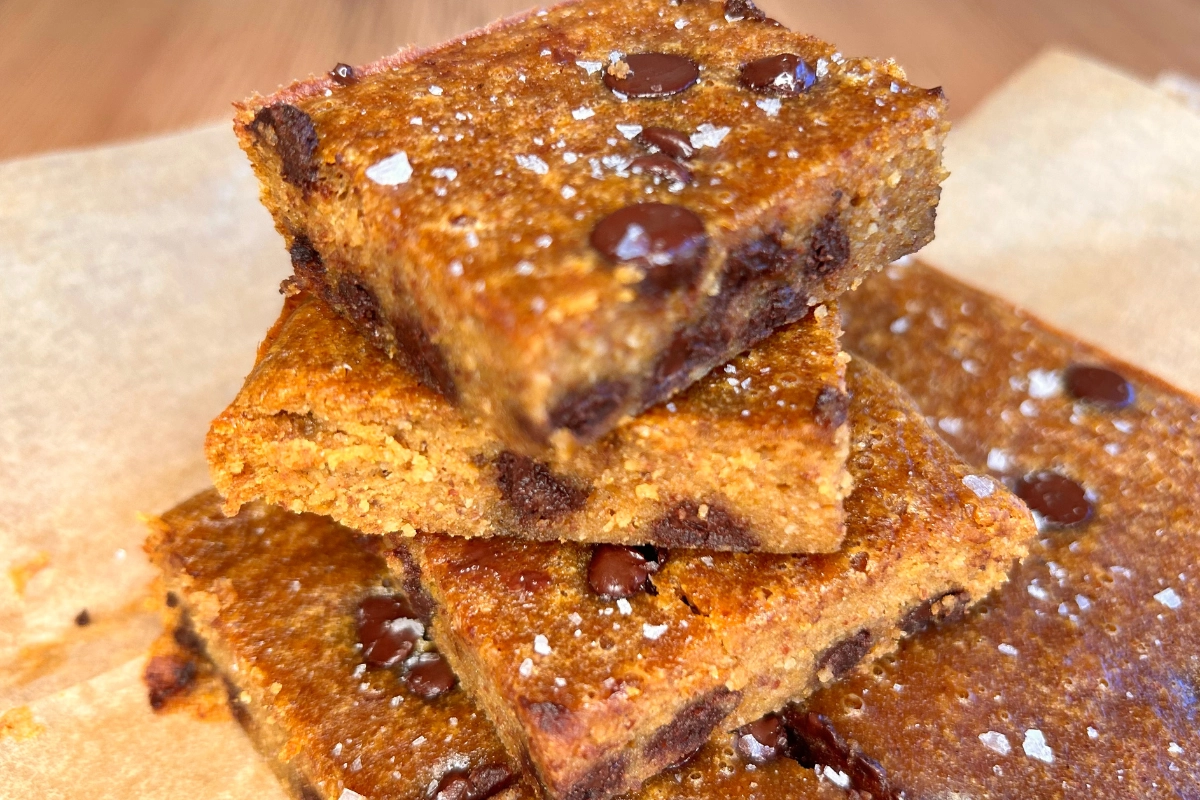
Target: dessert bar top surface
{"type": "Point", "coordinates": [326, 423]}
{"type": "Point", "coordinates": [582, 676]}
{"type": "Point", "coordinates": [1081, 677]}
{"type": "Point", "coordinates": [278, 593]}
{"type": "Point", "coordinates": [464, 185]}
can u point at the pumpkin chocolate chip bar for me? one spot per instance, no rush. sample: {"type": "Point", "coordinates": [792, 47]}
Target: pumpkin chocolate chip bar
{"type": "Point", "coordinates": [753, 457]}
{"type": "Point", "coordinates": [602, 666]}
{"type": "Point", "coordinates": [564, 218]}
{"type": "Point", "coordinates": [327, 668]}
{"type": "Point", "coordinates": [1081, 677]}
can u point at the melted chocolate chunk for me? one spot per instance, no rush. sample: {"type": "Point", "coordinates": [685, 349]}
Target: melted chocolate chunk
{"type": "Point", "coordinates": [534, 490]}
{"type": "Point", "coordinates": [479, 783]}
{"type": "Point", "coordinates": [842, 657]}
{"type": "Point", "coordinates": [764, 257]}
{"type": "Point", "coordinates": [430, 677]}
{"type": "Point", "coordinates": [662, 166]}
{"type": "Point", "coordinates": [414, 591]}
{"type": "Point", "coordinates": [829, 248]}
{"type": "Point", "coordinates": [682, 737]}
{"type": "Point", "coordinates": [1098, 386]}
{"type": "Point", "coordinates": [388, 630]}
{"type": "Point", "coordinates": [832, 407]}
{"type": "Point", "coordinates": [617, 571]}
{"type": "Point", "coordinates": [667, 242]}
{"type": "Point", "coordinates": [814, 741]}
{"type": "Point", "coordinates": [487, 554]}
{"type": "Point", "coordinates": [683, 526]}
{"type": "Point", "coordinates": [859, 561]}
{"type": "Point", "coordinates": [424, 357]}
{"type": "Point", "coordinates": [948, 607]}
{"type": "Point", "coordinates": [785, 75]}
{"type": "Point", "coordinates": [585, 411]}
{"type": "Point", "coordinates": [550, 717]}
{"type": "Point", "coordinates": [763, 740]}
{"type": "Point", "coordinates": [743, 9]}
{"type": "Point", "coordinates": [167, 677]}
{"type": "Point", "coordinates": [306, 261]}
{"type": "Point", "coordinates": [602, 781]}
{"type": "Point", "coordinates": [653, 75]}
{"type": "Point", "coordinates": [295, 141]}
{"type": "Point", "coordinates": [1060, 501]}
{"type": "Point", "coordinates": [343, 75]}
{"type": "Point", "coordinates": [667, 141]}
{"type": "Point", "coordinates": [83, 618]}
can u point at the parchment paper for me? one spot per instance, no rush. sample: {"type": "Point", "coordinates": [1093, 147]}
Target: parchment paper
{"type": "Point", "coordinates": [137, 281]}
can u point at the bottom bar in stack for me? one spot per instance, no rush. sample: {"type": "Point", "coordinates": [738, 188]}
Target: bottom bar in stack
{"type": "Point", "coordinates": [600, 673]}
{"type": "Point", "coordinates": [276, 600]}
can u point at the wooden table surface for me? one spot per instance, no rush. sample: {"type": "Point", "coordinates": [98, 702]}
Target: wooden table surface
{"type": "Point", "coordinates": [82, 72]}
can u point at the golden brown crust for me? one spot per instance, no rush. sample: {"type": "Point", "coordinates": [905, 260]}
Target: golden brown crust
{"type": "Point", "coordinates": [1079, 678]}
{"type": "Point", "coordinates": [480, 269]}
{"type": "Point", "coordinates": [296, 688]}
{"type": "Point", "coordinates": [580, 684]}
{"type": "Point", "coordinates": [327, 424]}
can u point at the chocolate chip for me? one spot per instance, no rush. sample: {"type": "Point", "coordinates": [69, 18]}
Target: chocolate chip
{"type": "Point", "coordinates": [652, 75]}
{"type": "Point", "coordinates": [667, 242]}
{"type": "Point", "coordinates": [831, 408]}
{"type": "Point", "coordinates": [662, 166]}
{"type": "Point", "coordinates": [343, 75]}
{"type": "Point", "coordinates": [83, 618]}
{"type": "Point", "coordinates": [168, 676]}
{"type": "Point", "coordinates": [388, 630]}
{"type": "Point", "coordinates": [815, 741]}
{"type": "Point", "coordinates": [1098, 386]}
{"type": "Point", "coordinates": [172, 600]}
{"type": "Point", "coordinates": [617, 571]}
{"type": "Point", "coordinates": [828, 249]}
{"type": "Point", "coordinates": [420, 354]}
{"type": "Point", "coordinates": [1060, 501]}
{"type": "Point", "coordinates": [842, 657]}
{"type": "Point", "coordinates": [743, 9]}
{"type": "Point", "coordinates": [667, 141]}
{"type": "Point", "coordinates": [763, 740]}
{"type": "Point", "coordinates": [859, 561]}
{"type": "Point", "coordinates": [947, 607]}
{"type": "Point", "coordinates": [534, 491]}
{"type": "Point", "coordinates": [682, 737]}
{"type": "Point", "coordinates": [586, 411]}
{"type": "Point", "coordinates": [683, 526]}
{"type": "Point", "coordinates": [295, 141]}
{"type": "Point", "coordinates": [430, 677]}
{"type": "Point", "coordinates": [786, 75]}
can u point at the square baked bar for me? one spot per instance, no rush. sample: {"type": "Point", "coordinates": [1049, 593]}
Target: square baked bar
{"type": "Point", "coordinates": [753, 457]}
{"type": "Point", "coordinates": [300, 620]}
{"type": "Point", "coordinates": [564, 218]}
{"type": "Point", "coordinates": [1081, 676]}
{"type": "Point", "coordinates": [602, 666]}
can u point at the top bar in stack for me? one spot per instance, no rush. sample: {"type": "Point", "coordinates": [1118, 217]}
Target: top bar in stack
{"type": "Point", "coordinates": [566, 217]}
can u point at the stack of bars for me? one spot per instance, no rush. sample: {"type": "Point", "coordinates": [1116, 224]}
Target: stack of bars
{"type": "Point", "coordinates": [553, 477]}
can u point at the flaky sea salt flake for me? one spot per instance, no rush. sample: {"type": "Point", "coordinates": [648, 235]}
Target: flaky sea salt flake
{"type": "Point", "coordinates": [653, 632]}
{"type": "Point", "coordinates": [981, 485]}
{"type": "Point", "coordinates": [708, 135]}
{"type": "Point", "coordinates": [533, 164]}
{"type": "Point", "coordinates": [1035, 746]}
{"type": "Point", "coordinates": [996, 742]}
{"type": "Point", "coordinates": [391, 171]}
{"type": "Point", "coordinates": [1169, 598]}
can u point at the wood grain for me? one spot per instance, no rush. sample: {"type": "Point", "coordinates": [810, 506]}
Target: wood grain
{"type": "Point", "coordinates": [82, 72]}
